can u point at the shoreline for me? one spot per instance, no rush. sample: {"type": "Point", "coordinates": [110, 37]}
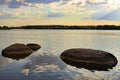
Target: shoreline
{"type": "Point", "coordinates": [64, 27]}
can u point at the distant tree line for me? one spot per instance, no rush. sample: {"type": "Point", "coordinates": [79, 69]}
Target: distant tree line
{"type": "Point", "coordinates": [98, 27]}
{"type": "Point", "coordinates": [93, 27]}
{"type": "Point", "coordinates": [4, 28]}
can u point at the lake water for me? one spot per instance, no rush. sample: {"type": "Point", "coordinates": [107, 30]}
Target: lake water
{"type": "Point", "coordinates": [45, 63]}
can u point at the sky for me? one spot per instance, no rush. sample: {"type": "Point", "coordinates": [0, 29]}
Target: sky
{"type": "Point", "coordinates": [59, 12]}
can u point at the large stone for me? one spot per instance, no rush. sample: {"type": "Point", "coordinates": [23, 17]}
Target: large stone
{"type": "Point", "coordinates": [17, 51]}
{"type": "Point", "coordinates": [33, 46]}
{"type": "Point", "coordinates": [89, 59]}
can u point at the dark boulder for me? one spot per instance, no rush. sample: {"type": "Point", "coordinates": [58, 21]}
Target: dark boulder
{"type": "Point", "coordinates": [17, 51]}
{"type": "Point", "coordinates": [89, 59]}
{"type": "Point", "coordinates": [33, 46]}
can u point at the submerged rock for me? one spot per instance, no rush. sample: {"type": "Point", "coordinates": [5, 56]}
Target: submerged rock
{"type": "Point", "coordinates": [89, 59]}
{"type": "Point", "coordinates": [17, 51]}
{"type": "Point", "coordinates": [33, 46]}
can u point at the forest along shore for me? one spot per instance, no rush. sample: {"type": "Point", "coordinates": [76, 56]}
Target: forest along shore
{"type": "Point", "coordinates": [90, 27]}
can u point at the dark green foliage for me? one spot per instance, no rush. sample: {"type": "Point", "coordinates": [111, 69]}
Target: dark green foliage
{"type": "Point", "coordinates": [4, 28]}
{"type": "Point", "coordinates": [72, 27]}
{"type": "Point", "coordinates": [98, 27]}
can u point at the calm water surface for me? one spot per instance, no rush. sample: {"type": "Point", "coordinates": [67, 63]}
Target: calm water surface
{"type": "Point", "coordinates": [45, 63]}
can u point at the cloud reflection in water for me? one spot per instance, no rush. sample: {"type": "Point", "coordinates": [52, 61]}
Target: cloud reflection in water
{"type": "Point", "coordinates": [4, 62]}
{"type": "Point", "coordinates": [47, 66]}
{"type": "Point", "coordinates": [44, 62]}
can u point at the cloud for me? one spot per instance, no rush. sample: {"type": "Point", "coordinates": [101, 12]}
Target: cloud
{"type": "Point", "coordinates": [82, 9]}
{"type": "Point", "coordinates": [3, 2]}
{"type": "Point", "coordinates": [18, 13]}
{"type": "Point", "coordinates": [7, 16]}
{"type": "Point", "coordinates": [112, 15]}
{"type": "Point", "coordinates": [79, 3]}
{"type": "Point", "coordinates": [106, 14]}
{"type": "Point", "coordinates": [97, 1]}
{"type": "Point", "coordinates": [14, 4]}
{"type": "Point", "coordinates": [52, 14]}
{"type": "Point", "coordinates": [19, 3]}
{"type": "Point", "coordinates": [41, 1]}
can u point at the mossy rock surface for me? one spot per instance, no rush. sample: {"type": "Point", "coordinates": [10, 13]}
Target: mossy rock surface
{"type": "Point", "coordinates": [89, 59]}
{"type": "Point", "coordinates": [34, 46]}
{"type": "Point", "coordinates": [16, 50]}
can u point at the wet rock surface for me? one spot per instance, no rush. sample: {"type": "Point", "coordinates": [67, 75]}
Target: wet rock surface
{"type": "Point", "coordinates": [89, 59]}
{"type": "Point", "coordinates": [33, 46]}
{"type": "Point", "coordinates": [17, 51]}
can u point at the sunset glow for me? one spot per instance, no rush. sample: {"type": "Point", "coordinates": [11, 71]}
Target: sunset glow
{"type": "Point", "coordinates": [59, 12]}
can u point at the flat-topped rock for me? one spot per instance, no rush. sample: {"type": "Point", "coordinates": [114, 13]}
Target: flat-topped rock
{"type": "Point", "coordinates": [16, 50]}
{"type": "Point", "coordinates": [89, 59]}
{"type": "Point", "coordinates": [33, 46]}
